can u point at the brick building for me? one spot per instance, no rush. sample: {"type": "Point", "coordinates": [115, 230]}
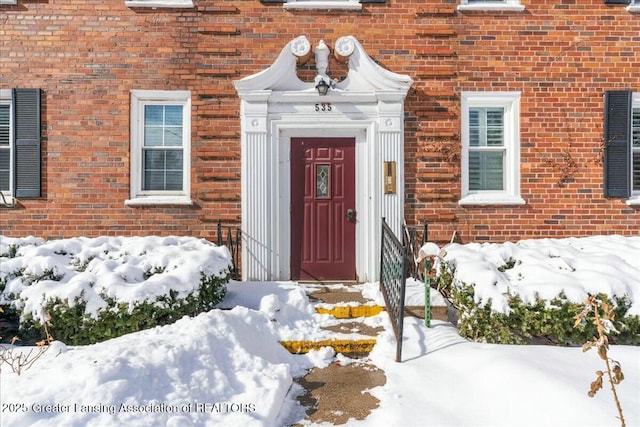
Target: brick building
{"type": "Point", "coordinates": [496, 120]}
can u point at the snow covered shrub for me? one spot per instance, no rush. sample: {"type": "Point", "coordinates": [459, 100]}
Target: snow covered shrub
{"type": "Point", "coordinates": [91, 290]}
{"type": "Point", "coordinates": [536, 320]}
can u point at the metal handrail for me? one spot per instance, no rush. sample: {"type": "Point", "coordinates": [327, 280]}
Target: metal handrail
{"type": "Point", "coordinates": [233, 244]}
{"type": "Point", "coordinates": [414, 240]}
{"type": "Point", "coordinates": [393, 278]}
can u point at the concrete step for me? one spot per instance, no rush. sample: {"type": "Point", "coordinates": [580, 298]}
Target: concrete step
{"type": "Point", "coordinates": [349, 305]}
{"type": "Point", "coordinates": [348, 326]}
{"type": "Point", "coordinates": [350, 311]}
{"type": "Point", "coordinates": [348, 347]}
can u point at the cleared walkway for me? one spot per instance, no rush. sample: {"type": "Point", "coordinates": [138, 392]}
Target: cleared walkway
{"type": "Point", "coordinates": [339, 392]}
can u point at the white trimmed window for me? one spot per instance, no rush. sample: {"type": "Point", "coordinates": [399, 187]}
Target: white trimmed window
{"type": "Point", "coordinates": [323, 4]}
{"type": "Point", "coordinates": [634, 6]}
{"type": "Point", "coordinates": [160, 147]}
{"type": "Point", "coordinates": [20, 154]}
{"type": "Point", "coordinates": [635, 146]}
{"type": "Point", "coordinates": [513, 5]}
{"type": "Point", "coordinates": [491, 148]}
{"type": "Point", "coordinates": [160, 3]}
{"type": "Point", "coordinates": [6, 137]}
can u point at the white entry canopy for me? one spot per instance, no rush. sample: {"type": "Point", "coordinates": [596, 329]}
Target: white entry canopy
{"type": "Point", "coordinates": [276, 105]}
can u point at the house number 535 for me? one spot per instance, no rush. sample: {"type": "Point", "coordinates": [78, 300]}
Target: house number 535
{"type": "Point", "coordinates": [323, 106]}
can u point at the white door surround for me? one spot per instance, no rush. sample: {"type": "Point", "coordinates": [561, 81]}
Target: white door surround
{"type": "Point", "coordinates": [275, 106]}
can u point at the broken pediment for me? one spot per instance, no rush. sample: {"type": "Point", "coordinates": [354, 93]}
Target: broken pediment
{"type": "Point", "coordinates": [364, 75]}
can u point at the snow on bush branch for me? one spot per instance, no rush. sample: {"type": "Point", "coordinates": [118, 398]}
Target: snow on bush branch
{"type": "Point", "coordinates": [547, 268]}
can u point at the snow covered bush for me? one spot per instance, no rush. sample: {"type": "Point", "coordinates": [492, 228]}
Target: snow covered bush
{"type": "Point", "coordinates": [90, 290]}
{"type": "Point", "coordinates": [532, 290]}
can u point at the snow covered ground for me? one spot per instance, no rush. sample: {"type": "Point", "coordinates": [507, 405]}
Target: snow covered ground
{"type": "Point", "coordinates": [226, 368]}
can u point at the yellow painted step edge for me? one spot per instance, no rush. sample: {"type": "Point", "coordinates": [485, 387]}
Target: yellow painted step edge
{"type": "Point", "coordinates": [340, 346]}
{"type": "Point", "coordinates": [351, 312]}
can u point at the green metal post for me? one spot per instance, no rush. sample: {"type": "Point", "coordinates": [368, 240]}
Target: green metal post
{"type": "Point", "coordinates": [427, 293]}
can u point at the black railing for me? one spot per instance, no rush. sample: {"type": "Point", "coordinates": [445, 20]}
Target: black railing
{"type": "Point", "coordinates": [393, 277]}
{"type": "Point", "coordinates": [413, 238]}
{"type": "Point", "coordinates": [233, 244]}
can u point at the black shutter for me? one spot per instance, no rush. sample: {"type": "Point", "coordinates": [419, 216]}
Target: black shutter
{"type": "Point", "coordinates": [617, 144]}
{"type": "Point", "coordinates": [616, 1]}
{"type": "Point", "coordinates": [26, 115]}
{"type": "Point", "coordinates": [372, 1]}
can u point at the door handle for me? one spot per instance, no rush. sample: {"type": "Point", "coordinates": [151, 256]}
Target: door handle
{"type": "Point", "coordinates": [351, 215]}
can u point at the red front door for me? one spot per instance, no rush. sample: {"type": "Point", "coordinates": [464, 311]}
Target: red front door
{"type": "Point", "coordinates": [323, 219]}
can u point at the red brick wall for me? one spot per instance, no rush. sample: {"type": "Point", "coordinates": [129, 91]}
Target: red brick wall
{"type": "Point", "coordinates": [86, 56]}
{"type": "Point", "coordinates": [562, 57]}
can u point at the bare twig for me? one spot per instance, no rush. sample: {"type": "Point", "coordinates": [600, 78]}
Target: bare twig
{"type": "Point", "coordinates": [604, 325]}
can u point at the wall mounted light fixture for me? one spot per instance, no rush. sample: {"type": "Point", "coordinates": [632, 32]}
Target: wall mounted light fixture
{"type": "Point", "coordinates": [322, 87]}
{"type": "Point", "coordinates": [323, 81]}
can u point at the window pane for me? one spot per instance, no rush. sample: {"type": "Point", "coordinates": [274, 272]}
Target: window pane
{"type": "Point", "coordinates": [636, 127]}
{"type": "Point", "coordinates": [173, 136]}
{"type": "Point", "coordinates": [474, 127]}
{"type": "Point", "coordinates": [153, 136]}
{"type": "Point", "coordinates": [163, 126]}
{"type": "Point", "coordinates": [174, 160]}
{"type": "Point", "coordinates": [636, 171]}
{"type": "Point", "coordinates": [153, 159]}
{"type": "Point", "coordinates": [474, 117]}
{"type": "Point", "coordinates": [174, 181]}
{"type": "Point", "coordinates": [486, 127]}
{"type": "Point", "coordinates": [486, 170]}
{"type": "Point", "coordinates": [153, 114]}
{"type": "Point", "coordinates": [4, 125]}
{"type": "Point", "coordinates": [153, 180]}
{"type": "Point", "coordinates": [4, 169]}
{"type": "Point", "coordinates": [635, 175]}
{"type": "Point", "coordinates": [495, 126]}
{"type": "Point", "coordinates": [162, 170]}
{"type": "Point", "coordinates": [173, 115]}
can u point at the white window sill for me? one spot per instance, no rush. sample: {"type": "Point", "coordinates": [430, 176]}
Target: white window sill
{"type": "Point", "coordinates": [159, 3]}
{"type": "Point", "coordinates": [496, 7]}
{"type": "Point", "coordinates": [323, 4]}
{"type": "Point", "coordinates": [7, 201]}
{"type": "Point", "coordinates": [8, 2]}
{"type": "Point", "coordinates": [634, 8]}
{"type": "Point", "coordinates": [491, 199]}
{"type": "Point", "coordinates": [633, 200]}
{"type": "Point", "coordinates": [159, 200]}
